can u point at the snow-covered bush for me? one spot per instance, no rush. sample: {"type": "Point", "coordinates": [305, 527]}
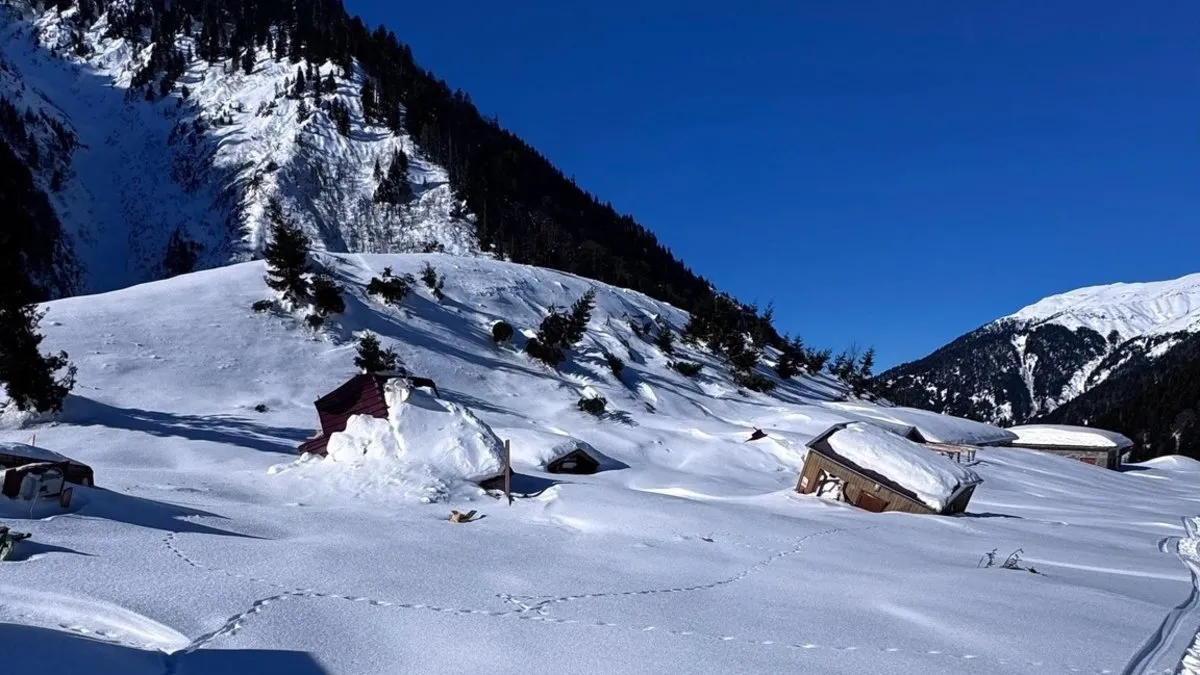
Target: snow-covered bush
{"type": "Point", "coordinates": [686, 368]}
{"type": "Point", "coordinates": [389, 288]}
{"type": "Point", "coordinates": [502, 331]}
{"type": "Point", "coordinates": [753, 381]}
{"type": "Point", "coordinates": [594, 405]}
{"type": "Point", "coordinates": [327, 296]}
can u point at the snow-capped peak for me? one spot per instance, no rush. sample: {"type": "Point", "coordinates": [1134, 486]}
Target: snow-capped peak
{"type": "Point", "coordinates": [1130, 309]}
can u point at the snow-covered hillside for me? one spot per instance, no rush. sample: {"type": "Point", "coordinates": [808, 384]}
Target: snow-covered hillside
{"type": "Point", "coordinates": [200, 162]}
{"type": "Point", "coordinates": [1030, 363]}
{"type": "Point", "coordinates": [208, 548]}
{"type": "Point", "coordinates": [1130, 309]}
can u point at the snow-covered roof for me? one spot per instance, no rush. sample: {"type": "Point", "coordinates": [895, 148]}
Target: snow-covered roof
{"type": "Point", "coordinates": [540, 454]}
{"type": "Point", "coordinates": [934, 479]}
{"type": "Point", "coordinates": [423, 438]}
{"type": "Point", "coordinates": [1062, 435]}
{"type": "Point", "coordinates": [934, 427]}
{"type": "Point", "coordinates": [31, 452]}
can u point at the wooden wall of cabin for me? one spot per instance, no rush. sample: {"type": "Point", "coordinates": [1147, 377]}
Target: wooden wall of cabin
{"type": "Point", "coordinates": [854, 485]}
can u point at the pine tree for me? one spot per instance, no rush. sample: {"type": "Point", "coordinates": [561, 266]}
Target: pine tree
{"type": "Point", "coordinates": [581, 314]}
{"type": "Point", "coordinates": [327, 296]}
{"type": "Point", "coordinates": [300, 86]}
{"type": "Point", "coordinates": [372, 358]}
{"type": "Point", "coordinates": [181, 254]}
{"type": "Point", "coordinates": [287, 257]}
{"type": "Point", "coordinates": [31, 379]}
{"type": "Point", "coordinates": [395, 189]}
{"type": "Point", "coordinates": [665, 340]}
{"type": "Point", "coordinates": [861, 377]}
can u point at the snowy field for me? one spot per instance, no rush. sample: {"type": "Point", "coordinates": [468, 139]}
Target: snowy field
{"type": "Point", "coordinates": [207, 548]}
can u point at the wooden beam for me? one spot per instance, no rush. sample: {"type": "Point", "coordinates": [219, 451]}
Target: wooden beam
{"type": "Point", "coordinates": [508, 471]}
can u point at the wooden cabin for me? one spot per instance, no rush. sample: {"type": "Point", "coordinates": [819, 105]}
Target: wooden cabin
{"type": "Point", "coordinates": [575, 461]}
{"type": "Point", "coordinates": [828, 473]}
{"type": "Point", "coordinates": [14, 455]}
{"type": "Point", "coordinates": [360, 395]}
{"type": "Point", "coordinates": [1091, 446]}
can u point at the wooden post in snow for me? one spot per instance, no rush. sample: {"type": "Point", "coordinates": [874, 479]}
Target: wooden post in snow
{"type": "Point", "coordinates": [508, 471]}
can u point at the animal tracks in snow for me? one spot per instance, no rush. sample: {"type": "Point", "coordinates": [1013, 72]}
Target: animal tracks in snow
{"type": "Point", "coordinates": [539, 603]}
{"type": "Point", "coordinates": [534, 609]}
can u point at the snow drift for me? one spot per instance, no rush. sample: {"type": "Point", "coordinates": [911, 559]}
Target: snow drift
{"type": "Point", "coordinates": [933, 478]}
{"type": "Point", "coordinates": [422, 437]}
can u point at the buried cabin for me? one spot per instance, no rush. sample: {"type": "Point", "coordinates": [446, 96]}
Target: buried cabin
{"type": "Point", "coordinates": [360, 395]}
{"type": "Point", "coordinates": [1090, 446]}
{"type": "Point", "coordinates": [877, 470]}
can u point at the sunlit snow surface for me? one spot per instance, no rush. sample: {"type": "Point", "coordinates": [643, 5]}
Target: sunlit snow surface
{"type": "Point", "coordinates": [691, 554]}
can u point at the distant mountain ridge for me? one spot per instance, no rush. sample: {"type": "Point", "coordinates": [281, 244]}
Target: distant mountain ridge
{"type": "Point", "coordinates": [1032, 362]}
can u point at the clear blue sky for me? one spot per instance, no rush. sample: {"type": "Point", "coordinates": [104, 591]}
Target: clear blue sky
{"type": "Point", "coordinates": [888, 172]}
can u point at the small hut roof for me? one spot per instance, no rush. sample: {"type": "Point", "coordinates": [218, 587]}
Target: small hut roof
{"type": "Point", "coordinates": [905, 466]}
{"type": "Point", "coordinates": [1065, 436]}
{"type": "Point", "coordinates": [32, 453]}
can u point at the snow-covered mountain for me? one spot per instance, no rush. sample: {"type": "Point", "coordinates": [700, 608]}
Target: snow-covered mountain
{"type": "Point", "coordinates": [132, 170]}
{"type": "Point", "coordinates": [1031, 362]}
{"type": "Point", "coordinates": [208, 548]}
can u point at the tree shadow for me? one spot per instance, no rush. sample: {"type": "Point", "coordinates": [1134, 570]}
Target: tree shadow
{"type": "Point", "coordinates": [142, 512]}
{"type": "Point", "coordinates": [30, 549]}
{"type": "Point", "coordinates": [223, 429]}
{"type": "Point", "coordinates": [31, 649]}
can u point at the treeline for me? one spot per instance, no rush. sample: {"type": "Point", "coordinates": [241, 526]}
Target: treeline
{"type": "Point", "coordinates": [1156, 405]}
{"type": "Point", "coordinates": [525, 208]}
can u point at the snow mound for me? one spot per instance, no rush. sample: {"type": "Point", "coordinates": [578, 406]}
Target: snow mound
{"type": "Point", "coordinates": [422, 436]}
{"type": "Point", "coordinates": [1068, 436]}
{"type": "Point", "coordinates": [934, 427]}
{"type": "Point", "coordinates": [541, 454]}
{"type": "Point", "coordinates": [933, 478]}
{"type": "Point", "coordinates": [30, 451]}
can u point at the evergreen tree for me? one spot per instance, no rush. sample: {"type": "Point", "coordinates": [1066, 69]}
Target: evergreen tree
{"type": "Point", "coordinates": [327, 296]}
{"type": "Point", "coordinates": [372, 358]}
{"type": "Point", "coordinates": [31, 379]}
{"type": "Point", "coordinates": [861, 377]}
{"type": "Point", "coordinates": [581, 314]}
{"type": "Point", "coordinates": [287, 257]}
{"type": "Point", "coordinates": [665, 340]}
{"type": "Point", "coordinates": [395, 189]}
{"type": "Point", "coordinates": [300, 85]}
{"type": "Point", "coordinates": [181, 255]}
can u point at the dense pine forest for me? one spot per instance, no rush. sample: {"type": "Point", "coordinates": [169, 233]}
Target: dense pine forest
{"type": "Point", "coordinates": [1156, 405]}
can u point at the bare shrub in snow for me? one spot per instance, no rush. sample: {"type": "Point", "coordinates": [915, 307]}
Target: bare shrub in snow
{"type": "Point", "coordinates": [261, 306]}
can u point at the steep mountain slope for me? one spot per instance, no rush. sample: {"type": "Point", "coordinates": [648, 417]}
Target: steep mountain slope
{"type": "Point", "coordinates": [211, 550]}
{"type": "Point", "coordinates": [1154, 402]}
{"type": "Point", "coordinates": [165, 127]}
{"type": "Point", "coordinates": [132, 172]}
{"type": "Point", "coordinates": [1029, 363]}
